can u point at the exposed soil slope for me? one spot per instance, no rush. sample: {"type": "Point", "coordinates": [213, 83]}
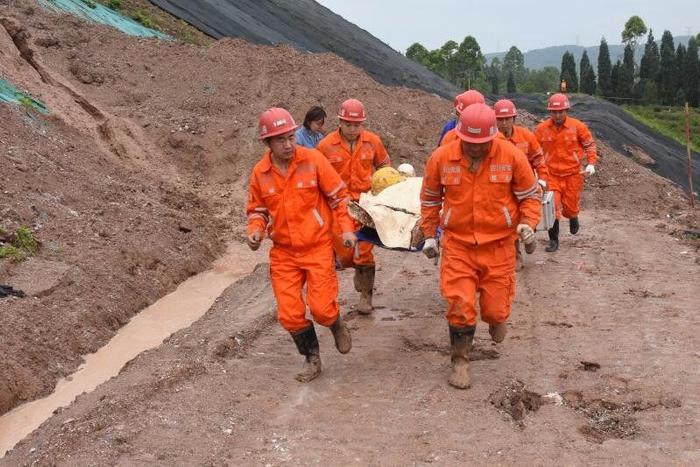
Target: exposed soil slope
{"type": "Point", "coordinates": [307, 25]}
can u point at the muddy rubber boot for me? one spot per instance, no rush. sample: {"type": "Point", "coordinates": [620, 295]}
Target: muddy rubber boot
{"type": "Point", "coordinates": [498, 332]}
{"type": "Point", "coordinates": [341, 334]}
{"type": "Point", "coordinates": [574, 225]}
{"type": "Point", "coordinates": [461, 341]}
{"type": "Point", "coordinates": [364, 283]}
{"type": "Point", "coordinates": [307, 344]}
{"type": "Point", "coordinates": [553, 238]}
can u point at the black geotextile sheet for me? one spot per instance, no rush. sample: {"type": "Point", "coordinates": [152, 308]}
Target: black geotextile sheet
{"type": "Point", "coordinates": [614, 126]}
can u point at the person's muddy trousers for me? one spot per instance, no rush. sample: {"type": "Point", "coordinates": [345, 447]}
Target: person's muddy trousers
{"type": "Point", "coordinates": [290, 270]}
{"type": "Point", "coordinates": [567, 194]}
{"type": "Point", "coordinates": [488, 269]}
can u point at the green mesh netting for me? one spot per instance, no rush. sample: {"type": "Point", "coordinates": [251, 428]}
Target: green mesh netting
{"type": "Point", "coordinates": [98, 13]}
{"type": "Point", "coordinates": [11, 95]}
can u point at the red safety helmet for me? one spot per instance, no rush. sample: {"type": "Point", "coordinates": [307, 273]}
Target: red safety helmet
{"type": "Point", "coordinates": [276, 121]}
{"type": "Point", "coordinates": [558, 101]}
{"type": "Point", "coordinates": [504, 109]}
{"type": "Point", "coordinates": [352, 110]}
{"type": "Point", "coordinates": [477, 124]}
{"type": "Point", "coordinates": [468, 98]}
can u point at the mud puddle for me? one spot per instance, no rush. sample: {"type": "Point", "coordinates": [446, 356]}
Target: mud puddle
{"type": "Point", "coordinates": [146, 330]}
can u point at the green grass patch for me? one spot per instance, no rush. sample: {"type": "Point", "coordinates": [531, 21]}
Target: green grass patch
{"type": "Point", "coordinates": [24, 240]}
{"type": "Point", "coordinates": [669, 121]}
{"type": "Point", "coordinates": [22, 244]}
{"type": "Point", "coordinates": [12, 253]}
{"type": "Point", "coordinates": [140, 17]}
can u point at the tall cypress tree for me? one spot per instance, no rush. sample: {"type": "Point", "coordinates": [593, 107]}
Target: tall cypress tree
{"type": "Point", "coordinates": [568, 72]}
{"type": "Point", "coordinates": [692, 73]}
{"type": "Point", "coordinates": [615, 78]}
{"type": "Point", "coordinates": [587, 75]}
{"type": "Point", "coordinates": [511, 87]}
{"type": "Point", "coordinates": [604, 69]}
{"type": "Point", "coordinates": [649, 66]}
{"type": "Point", "coordinates": [680, 74]}
{"type": "Point", "coordinates": [649, 70]}
{"type": "Point", "coordinates": [626, 73]}
{"type": "Point", "coordinates": [667, 69]}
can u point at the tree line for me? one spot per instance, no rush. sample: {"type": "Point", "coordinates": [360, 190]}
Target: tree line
{"type": "Point", "coordinates": [465, 66]}
{"type": "Point", "coordinates": [666, 74]}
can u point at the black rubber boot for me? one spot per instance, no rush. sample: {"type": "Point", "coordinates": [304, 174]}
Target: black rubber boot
{"type": "Point", "coordinates": [307, 344]}
{"type": "Point", "coordinates": [574, 225]}
{"type": "Point", "coordinates": [553, 238]}
{"type": "Point", "coordinates": [461, 341]}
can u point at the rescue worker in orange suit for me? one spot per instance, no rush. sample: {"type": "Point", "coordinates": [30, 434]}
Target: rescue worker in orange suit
{"type": "Point", "coordinates": [488, 195]}
{"type": "Point", "coordinates": [524, 140]}
{"type": "Point", "coordinates": [567, 143]}
{"type": "Point", "coordinates": [294, 197]}
{"type": "Point", "coordinates": [461, 102]}
{"type": "Point", "coordinates": [355, 153]}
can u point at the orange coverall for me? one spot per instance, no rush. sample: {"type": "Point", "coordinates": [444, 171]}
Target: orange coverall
{"type": "Point", "coordinates": [480, 212]}
{"type": "Point", "coordinates": [355, 167]}
{"type": "Point", "coordinates": [525, 140]}
{"type": "Point", "coordinates": [565, 149]}
{"type": "Point", "coordinates": [297, 211]}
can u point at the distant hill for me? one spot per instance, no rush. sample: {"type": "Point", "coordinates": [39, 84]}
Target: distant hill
{"type": "Point", "coordinates": [551, 56]}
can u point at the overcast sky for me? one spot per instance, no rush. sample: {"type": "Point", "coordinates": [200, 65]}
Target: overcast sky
{"type": "Point", "coordinates": [498, 24]}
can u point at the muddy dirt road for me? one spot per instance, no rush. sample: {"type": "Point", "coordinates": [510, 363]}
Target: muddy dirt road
{"type": "Point", "coordinates": [600, 367]}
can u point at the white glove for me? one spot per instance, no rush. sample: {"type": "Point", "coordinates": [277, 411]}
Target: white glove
{"type": "Point", "coordinates": [590, 169]}
{"type": "Point", "coordinates": [430, 248]}
{"type": "Point", "coordinates": [542, 183]}
{"type": "Point", "coordinates": [527, 235]}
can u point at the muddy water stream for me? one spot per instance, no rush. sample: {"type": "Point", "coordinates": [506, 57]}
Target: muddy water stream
{"type": "Point", "coordinates": [146, 330]}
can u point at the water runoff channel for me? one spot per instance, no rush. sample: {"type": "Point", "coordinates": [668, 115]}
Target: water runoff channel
{"type": "Point", "coordinates": [144, 331]}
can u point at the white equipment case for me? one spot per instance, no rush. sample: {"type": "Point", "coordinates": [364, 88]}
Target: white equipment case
{"type": "Point", "coordinates": [547, 219]}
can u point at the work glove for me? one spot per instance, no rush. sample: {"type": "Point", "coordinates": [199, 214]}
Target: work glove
{"type": "Point", "coordinates": [527, 235]}
{"type": "Point", "coordinates": [542, 183]}
{"type": "Point", "coordinates": [590, 170]}
{"type": "Point", "coordinates": [430, 248]}
{"type": "Point", "coordinates": [254, 240]}
{"type": "Point", "coordinates": [349, 239]}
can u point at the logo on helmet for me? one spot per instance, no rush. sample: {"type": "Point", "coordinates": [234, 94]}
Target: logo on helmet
{"type": "Point", "coordinates": [474, 131]}
{"type": "Point", "coordinates": [263, 129]}
{"type": "Point", "coordinates": [279, 123]}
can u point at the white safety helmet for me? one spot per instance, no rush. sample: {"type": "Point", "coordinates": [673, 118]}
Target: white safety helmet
{"type": "Point", "coordinates": [406, 170]}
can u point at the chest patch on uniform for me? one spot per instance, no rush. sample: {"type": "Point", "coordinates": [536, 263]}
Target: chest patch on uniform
{"type": "Point", "coordinates": [501, 173]}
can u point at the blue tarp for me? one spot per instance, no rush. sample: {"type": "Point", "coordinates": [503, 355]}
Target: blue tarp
{"type": "Point", "coordinates": [98, 13]}
{"type": "Point", "coordinates": [11, 95]}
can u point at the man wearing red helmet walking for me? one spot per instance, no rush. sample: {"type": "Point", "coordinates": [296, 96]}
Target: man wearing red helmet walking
{"type": "Point", "coordinates": [524, 140]}
{"type": "Point", "coordinates": [567, 144]}
{"type": "Point", "coordinates": [488, 195]}
{"type": "Point", "coordinates": [294, 196]}
{"type": "Point", "coordinates": [462, 101]}
{"type": "Point", "coordinates": [355, 153]}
